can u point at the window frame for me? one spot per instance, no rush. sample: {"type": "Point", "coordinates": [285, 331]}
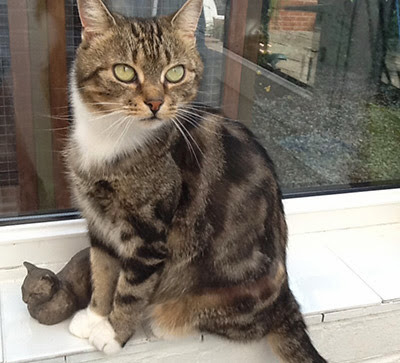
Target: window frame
{"type": "Point", "coordinates": [303, 215]}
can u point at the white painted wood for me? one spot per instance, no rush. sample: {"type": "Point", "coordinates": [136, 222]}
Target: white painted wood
{"type": "Point", "coordinates": [312, 319]}
{"type": "Point", "coordinates": [342, 211]}
{"type": "Point", "coordinates": [391, 358]}
{"type": "Point", "coordinates": [49, 242]}
{"type": "Point", "coordinates": [360, 312]}
{"type": "Point", "coordinates": [320, 280]}
{"type": "Point", "coordinates": [370, 333]}
{"type": "Point", "coordinates": [54, 242]}
{"type": "Point", "coordinates": [51, 360]}
{"type": "Point", "coordinates": [342, 201]}
{"type": "Point", "coordinates": [46, 250]}
{"type": "Point", "coordinates": [373, 253]}
{"type": "Point", "coordinates": [223, 351]}
{"type": "Point", "coordinates": [356, 339]}
{"type": "Point", "coordinates": [343, 219]}
{"type": "Point", "coordinates": [38, 231]}
{"type": "Point", "coordinates": [142, 352]}
{"type": "Point", "coordinates": [211, 350]}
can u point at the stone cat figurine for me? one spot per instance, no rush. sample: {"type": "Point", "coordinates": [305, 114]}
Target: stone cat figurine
{"type": "Point", "coordinates": [52, 298]}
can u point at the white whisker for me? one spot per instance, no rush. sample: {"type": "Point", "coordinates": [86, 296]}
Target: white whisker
{"type": "Point", "coordinates": [190, 135]}
{"type": "Point", "coordinates": [195, 107]}
{"type": "Point", "coordinates": [194, 113]}
{"type": "Point", "coordinates": [191, 149]}
{"type": "Point", "coordinates": [123, 133]}
{"type": "Point", "coordinates": [182, 133]}
{"type": "Point", "coordinates": [94, 119]}
{"type": "Point", "coordinates": [56, 128]}
{"type": "Point", "coordinates": [115, 124]}
{"type": "Point", "coordinates": [104, 103]}
{"type": "Point", "coordinates": [186, 117]}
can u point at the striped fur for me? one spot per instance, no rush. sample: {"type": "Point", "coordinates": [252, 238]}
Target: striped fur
{"type": "Point", "coordinates": [187, 226]}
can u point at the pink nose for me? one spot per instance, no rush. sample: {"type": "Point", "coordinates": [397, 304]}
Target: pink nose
{"type": "Point", "coordinates": [154, 105]}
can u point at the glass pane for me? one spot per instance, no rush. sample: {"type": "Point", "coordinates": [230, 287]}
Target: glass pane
{"type": "Point", "coordinates": [317, 81]}
{"type": "Point", "coordinates": [325, 95]}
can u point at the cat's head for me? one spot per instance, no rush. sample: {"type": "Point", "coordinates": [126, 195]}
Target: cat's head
{"type": "Point", "coordinates": [143, 68]}
{"type": "Point", "coordinates": [39, 285]}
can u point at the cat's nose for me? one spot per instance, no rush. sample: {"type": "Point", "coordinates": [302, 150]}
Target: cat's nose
{"type": "Point", "coordinates": [154, 105]}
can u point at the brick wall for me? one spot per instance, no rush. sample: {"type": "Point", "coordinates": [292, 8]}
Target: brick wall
{"type": "Point", "coordinates": [293, 20]}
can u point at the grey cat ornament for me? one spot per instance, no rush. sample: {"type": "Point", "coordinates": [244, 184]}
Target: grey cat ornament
{"type": "Point", "coordinates": [52, 298]}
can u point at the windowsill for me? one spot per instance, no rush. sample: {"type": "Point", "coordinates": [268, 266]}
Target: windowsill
{"type": "Point", "coordinates": [342, 261]}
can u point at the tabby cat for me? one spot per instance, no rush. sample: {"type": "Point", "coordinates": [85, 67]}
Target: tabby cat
{"type": "Point", "coordinates": [184, 212]}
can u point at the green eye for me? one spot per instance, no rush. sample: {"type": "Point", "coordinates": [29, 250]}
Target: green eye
{"type": "Point", "coordinates": [174, 75]}
{"type": "Point", "coordinates": [124, 73]}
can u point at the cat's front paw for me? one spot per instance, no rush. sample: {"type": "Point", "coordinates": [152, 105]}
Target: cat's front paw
{"type": "Point", "coordinates": [83, 322]}
{"type": "Point", "coordinates": [102, 337]}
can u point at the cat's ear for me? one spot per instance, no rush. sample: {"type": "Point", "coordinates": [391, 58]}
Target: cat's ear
{"type": "Point", "coordinates": [95, 17]}
{"type": "Point", "coordinates": [29, 266]}
{"type": "Point", "coordinates": [48, 277]}
{"type": "Point", "coordinates": [187, 17]}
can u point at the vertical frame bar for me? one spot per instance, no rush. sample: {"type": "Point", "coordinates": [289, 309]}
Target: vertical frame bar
{"type": "Point", "coordinates": [58, 80]}
{"type": "Point", "coordinates": [39, 61]}
{"type": "Point", "coordinates": [243, 40]}
{"type": "Point", "coordinates": [235, 38]}
{"type": "Point", "coordinates": [250, 52]}
{"type": "Point", "coordinates": [21, 73]}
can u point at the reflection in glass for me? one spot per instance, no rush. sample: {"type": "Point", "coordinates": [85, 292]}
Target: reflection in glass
{"type": "Point", "coordinates": [336, 121]}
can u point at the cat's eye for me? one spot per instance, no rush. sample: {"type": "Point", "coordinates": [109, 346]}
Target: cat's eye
{"type": "Point", "coordinates": [124, 73]}
{"type": "Point", "coordinates": [175, 74]}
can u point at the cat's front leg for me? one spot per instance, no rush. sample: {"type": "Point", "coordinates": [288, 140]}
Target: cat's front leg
{"type": "Point", "coordinates": [105, 270]}
{"type": "Point", "coordinates": [135, 285]}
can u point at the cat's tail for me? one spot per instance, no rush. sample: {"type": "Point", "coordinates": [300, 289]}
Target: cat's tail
{"type": "Point", "coordinates": [289, 339]}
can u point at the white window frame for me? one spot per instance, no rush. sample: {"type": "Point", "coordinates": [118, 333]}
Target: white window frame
{"type": "Point", "coordinates": [56, 242]}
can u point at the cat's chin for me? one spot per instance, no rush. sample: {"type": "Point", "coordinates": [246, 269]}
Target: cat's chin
{"type": "Point", "coordinates": [158, 118]}
{"type": "Point", "coordinates": [105, 138]}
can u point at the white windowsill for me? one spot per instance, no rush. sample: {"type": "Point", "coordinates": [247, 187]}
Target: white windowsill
{"type": "Point", "coordinates": [342, 260]}
{"type": "Point", "coordinates": [332, 205]}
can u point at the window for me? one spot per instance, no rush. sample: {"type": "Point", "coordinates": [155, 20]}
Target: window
{"type": "Point", "coordinates": [317, 81]}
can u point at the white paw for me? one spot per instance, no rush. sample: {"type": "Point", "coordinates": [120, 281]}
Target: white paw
{"type": "Point", "coordinates": [83, 322]}
{"type": "Point", "coordinates": [102, 337]}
